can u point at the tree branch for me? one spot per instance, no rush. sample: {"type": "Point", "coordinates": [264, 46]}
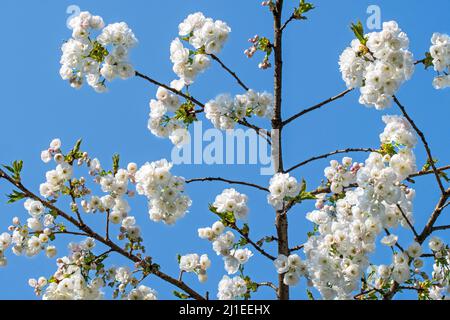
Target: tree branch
{"type": "Point", "coordinates": [227, 181]}
{"type": "Point", "coordinates": [425, 143]}
{"type": "Point", "coordinates": [177, 92]}
{"type": "Point", "coordinates": [233, 74]}
{"type": "Point", "coordinates": [250, 241]}
{"type": "Point", "coordinates": [326, 155]}
{"type": "Point", "coordinates": [416, 235]}
{"type": "Point", "coordinates": [317, 106]}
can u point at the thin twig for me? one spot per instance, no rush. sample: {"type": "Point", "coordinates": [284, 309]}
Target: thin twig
{"type": "Point", "coordinates": [177, 92]}
{"type": "Point", "coordinates": [424, 142]}
{"type": "Point", "coordinates": [296, 248]}
{"type": "Point", "coordinates": [326, 155]}
{"type": "Point", "coordinates": [233, 74]}
{"type": "Point", "coordinates": [292, 17]}
{"type": "Point", "coordinates": [441, 228]}
{"type": "Point", "coordinates": [250, 241]}
{"type": "Point", "coordinates": [227, 181]}
{"type": "Point", "coordinates": [408, 222]}
{"type": "Point", "coordinates": [317, 106]}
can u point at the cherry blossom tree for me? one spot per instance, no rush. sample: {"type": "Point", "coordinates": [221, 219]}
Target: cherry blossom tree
{"type": "Point", "coordinates": [356, 205]}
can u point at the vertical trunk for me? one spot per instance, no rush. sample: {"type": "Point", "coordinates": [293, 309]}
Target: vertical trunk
{"type": "Point", "coordinates": [281, 222]}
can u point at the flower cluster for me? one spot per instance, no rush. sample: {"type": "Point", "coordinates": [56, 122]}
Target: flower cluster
{"type": "Point", "coordinates": [337, 254]}
{"type": "Point", "coordinates": [194, 263]}
{"type": "Point", "coordinates": [441, 269]}
{"type": "Point", "coordinates": [440, 52]}
{"type": "Point", "coordinates": [282, 186]}
{"type": "Point", "coordinates": [231, 288]}
{"type": "Point", "coordinates": [378, 63]}
{"type": "Point", "coordinates": [5, 242]}
{"type": "Point", "coordinates": [223, 244]}
{"type": "Point", "coordinates": [142, 293]}
{"type": "Point", "coordinates": [164, 191]}
{"type": "Point", "coordinates": [206, 36]}
{"type": "Point", "coordinates": [224, 111]}
{"type": "Point", "coordinates": [231, 201]}
{"type": "Point", "coordinates": [96, 60]}
{"type": "Point", "coordinates": [292, 267]}
{"type": "Point", "coordinates": [159, 123]}
{"type": "Point", "coordinates": [55, 179]}
{"type": "Point", "coordinates": [34, 236]}
{"type": "Point", "coordinates": [70, 281]}
{"type": "Point", "coordinates": [398, 131]}
{"type": "Point", "coordinates": [342, 175]}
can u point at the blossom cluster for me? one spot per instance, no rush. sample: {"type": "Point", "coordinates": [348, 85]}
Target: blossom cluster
{"type": "Point", "coordinates": [282, 186]}
{"type": "Point", "coordinates": [96, 61]}
{"type": "Point", "coordinates": [440, 52]}
{"type": "Point", "coordinates": [159, 123]}
{"type": "Point", "coordinates": [32, 237]}
{"type": "Point", "coordinates": [142, 293]}
{"type": "Point", "coordinates": [198, 265]}
{"type": "Point", "coordinates": [378, 65]}
{"type": "Point", "coordinates": [223, 244]}
{"type": "Point", "coordinates": [224, 111]}
{"type": "Point", "coordinates": [231, 201]}
{"type": "Point", "coordinates": [206, 35]}
{"type": "Point", "coordinates": [292, 267]}
{"type": "Point", "coordinates": [337, 254]}
{"type": "Point", "coordinates": [231, 288]}
{"type": "Point", "coordinates": [341, 175]}
{"type": "Point", "coordinates": [164, 191]}
{"type": "Point", "coordinates": [69, 282]}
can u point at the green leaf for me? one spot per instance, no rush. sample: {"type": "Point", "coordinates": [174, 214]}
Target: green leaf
{"type": "Point", "coordinates": [303, 7]}
{"type": "Point", "coordinates": [358, 30]}
{"type": "Point", "coordinates": [180, 295]}
{"type": "Point", "coordinates": [74, 153]}
{"type": "Point", "coordinates": [116, 159]}
{"type": "Point", "coordinates": [15, 169]}
{"type": "Point", "coordinates": [15, 196]}
{"type": "Point", "coordinates": [310, 295]}
{"type": "Point", "coordinates": [428, 61]}
{"type": "Point", "coordinates": [245, 229]}
{"type": "Point", "coordinates": [186, 113]}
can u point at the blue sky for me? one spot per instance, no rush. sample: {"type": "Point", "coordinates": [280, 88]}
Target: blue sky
{"type": "Point", "coordinates": [36, 106]}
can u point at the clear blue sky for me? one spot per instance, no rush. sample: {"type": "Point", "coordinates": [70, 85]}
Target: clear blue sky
{"type": "Point", "coordinates": [36, 106]}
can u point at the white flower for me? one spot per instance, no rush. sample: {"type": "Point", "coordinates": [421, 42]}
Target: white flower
{"type": "Point", "coordinates": [189, 262]}
{"type": "Point", "coordinates": [435, 244]}
{"type": "Point", "coordinates": [232, 201]}
{"type": "Point", "coordinates": [389, 240]}
{"type": "Point", "coordinates": [281, 264]}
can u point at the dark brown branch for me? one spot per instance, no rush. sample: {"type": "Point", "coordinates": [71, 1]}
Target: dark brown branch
{"type": "Point", "coordinates": [424, 142]}
{"type": "Point", "coordinates": [416, 235]}
{"type": "Point", "coordinates": [317, 106]}
{"type": "Point", "coordinates": [177, 92]}
{"type": "Point", "coordinates": [261, 132]}
{"type": "Point", "coordinates": [441, 228]}
{"type": "Point", "coordinates": [281, 220]}
{"type": "Point", "coordinates": [426, 172]}
{"type": "Point", "coordinates": [292, 17]}
{"type": "Point", "coordinates": [296, 248]}
{"type": "Point", "coordinates": [428, 229]}
{"type": "Point", "coordinates": [227, 181]}
{"type": "Point", "coordinates": [107, 242]}
{"type": "Point", "coordinates": [251, 242]}
{"type": "Point", "coordinates": [233, 74]}
{"type": "Point", "coordinates": [326, 155]}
